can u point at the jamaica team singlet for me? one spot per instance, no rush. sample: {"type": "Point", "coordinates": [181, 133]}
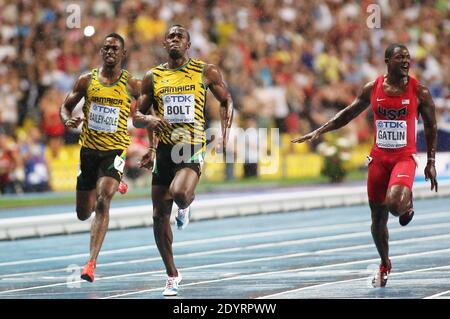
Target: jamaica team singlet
{"type": "Point", "coordinates": [395, 119]}
{"type": "Point", "coordinates": [106, 111]}
{"type": "Point", "coordinates": [180, 95]}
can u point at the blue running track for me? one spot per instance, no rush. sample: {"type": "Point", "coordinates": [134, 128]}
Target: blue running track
{"type": "Point", "coordinates": [322, 253]}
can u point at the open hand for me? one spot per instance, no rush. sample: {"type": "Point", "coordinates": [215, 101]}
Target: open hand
{"type": "Point", "coordinates": [310, 136]}
{"type": "Point", "coordinates": [147, 161]}
{"type": "Point", "coordinates": [158, 125]}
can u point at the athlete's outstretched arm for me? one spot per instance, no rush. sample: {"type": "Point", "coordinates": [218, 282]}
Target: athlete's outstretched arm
{"type": "Point", "coordinates": [72, 99]}
{"type": "Point", "coordinates": [214, 80]}
{"type": "Point", "coordinates": [427, 111]}
{"type": "Point", "coordinates": [343, 117]}
{"type": "Point", "coordinates": [142, 118]}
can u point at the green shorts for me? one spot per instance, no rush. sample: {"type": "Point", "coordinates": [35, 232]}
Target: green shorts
{"type": "Point", "coordinates": [165, 166]}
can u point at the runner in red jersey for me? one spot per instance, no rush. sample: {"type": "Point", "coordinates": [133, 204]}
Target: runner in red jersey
{"type": "Point", "coordinates": [396, 100]}
{"type": "Point", "coordinates": [392, 159]}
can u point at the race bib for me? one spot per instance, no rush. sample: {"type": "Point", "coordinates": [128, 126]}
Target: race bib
{"type": "Point", "coordinates": [198, 158]}
{"type": "Point", "coordinates": [201, 161]}
{"type": "Point", "coordinates": [119, 163]}
{"type": "Point", "coordinates": [179, 108]}
{"type": "Point", "coordinates": [103, 118]}
{"type": "Point", "coordinates": [391, 134]}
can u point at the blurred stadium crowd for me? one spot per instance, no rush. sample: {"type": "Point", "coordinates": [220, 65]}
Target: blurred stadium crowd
{"type": "Point", "coordinates": [289, 64]}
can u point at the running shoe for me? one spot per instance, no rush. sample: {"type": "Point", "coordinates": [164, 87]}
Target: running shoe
{"type": "Point", "coordinates": [122, 188]}
{"type": "Point", "coordinates": [381, 277]}
{"type": "Point", "coordinates": [182, 217]}
{"type": "Point", "coordinates": [88, 271]}
{"type": "Point", "coordinates": [172, 283]}
{"type": "Point", "coordinates": [406, 217]}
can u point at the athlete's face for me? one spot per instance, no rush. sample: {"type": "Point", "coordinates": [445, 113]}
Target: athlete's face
{"type": "Point", "coordinates": [177, 42]}
{"type": "Point", "coordinates": [399, 62]}
{"type": "Point", "coordinates": [112, 51]}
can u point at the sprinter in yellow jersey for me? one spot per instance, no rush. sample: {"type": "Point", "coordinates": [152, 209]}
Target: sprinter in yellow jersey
{"type": "Point", "coordinates": [104, 138]}
{"type": "Point", "coordinates": [172, 104]}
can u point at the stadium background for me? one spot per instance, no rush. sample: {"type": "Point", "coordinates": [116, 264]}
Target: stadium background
{"type": "Point", "coordinates": [289, 65]}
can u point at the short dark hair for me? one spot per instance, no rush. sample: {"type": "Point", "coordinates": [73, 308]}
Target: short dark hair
{"type": "Point", "coordinates": [118, 37]}
{"type": "Point", "coordinates": [179, 26]}
{"type": "Point", "coordinates": [391, 48]}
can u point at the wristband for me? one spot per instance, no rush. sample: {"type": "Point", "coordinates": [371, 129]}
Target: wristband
{"type": "Point", "coordinates": [431, 160]}
{"type": "Point", "coordinates": [151, 148]}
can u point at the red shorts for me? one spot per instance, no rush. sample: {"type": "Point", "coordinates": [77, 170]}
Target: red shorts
{"type": "Point", "coordinates": [386, 170]}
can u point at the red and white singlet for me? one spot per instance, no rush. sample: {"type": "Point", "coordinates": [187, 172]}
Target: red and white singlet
{"type": "Point", "coordinates": [395, 119]}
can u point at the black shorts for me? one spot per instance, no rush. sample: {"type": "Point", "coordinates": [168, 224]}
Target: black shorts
{"type": "Point", "coordinates": [165, 167]}
{"type": "Point", "coordinates": [95, 164]}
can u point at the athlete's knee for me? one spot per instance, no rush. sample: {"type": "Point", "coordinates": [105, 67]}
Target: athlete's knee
{"type": "Point", "coordinates": [396, 207]}
{"type": "Point", "coordinates": [103, 201]}
{"type": "Point", "coordinates": [83, 213]}
{"type": "Point", "coordinates": [160, 219]}
{"type": "Point", "coordinates": [378, 222]}
{"type": "Point", "coordinates": [398, 200]}
{"type": "Point", "coordinates": [182, 197]}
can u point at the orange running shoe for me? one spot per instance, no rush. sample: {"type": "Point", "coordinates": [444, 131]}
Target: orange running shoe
{"type": "Point", "coordinates": [381, 276]}
{"type": "Point", "coordinates": [88, 271]}
{"type": "Point", "coordinates": [122, 188]}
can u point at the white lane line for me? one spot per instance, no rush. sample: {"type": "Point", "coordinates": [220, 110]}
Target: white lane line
{"type": "Point", "coordinates": [438, 295]}
{"type": "Point", "coordinates": [283, 231]}
{"type": "Point", "coordinates": [352, 280]}
{"type": "Point", "coordinates": [221, 239]}
{"type": "Point", "coordinates": [294, 270]}
{"type": "Point", "coordinates": [262, 246]}
{"type": "Point", "coordinates": [236, 263]}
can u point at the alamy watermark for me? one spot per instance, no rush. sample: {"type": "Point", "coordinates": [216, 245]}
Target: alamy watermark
{"type": "Point", "coordinates": [252, 145]}
{"type": "Point", "coordinates": [73, 20]}
{"type": "Point", "coordinates": [73, 280]}
{"type": "Point", "coordinates": [373, 21]}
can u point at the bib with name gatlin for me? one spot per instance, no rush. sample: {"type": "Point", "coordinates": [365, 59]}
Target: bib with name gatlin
{"type": "Point", "coordinates": [180, 95]}
{"type": "Point", "coordinates": [106, 111]}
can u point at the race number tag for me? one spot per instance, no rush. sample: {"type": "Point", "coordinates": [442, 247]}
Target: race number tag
{"type": "Point", "coordinates": [391, 134]}
{"type": "Point", "coordinates": [198, 158]}
{"type": "Point", "coordinates": [103, 118]}
{"type": "Point", "coordinates": [201, 161]}
{"type": "Point", "coordinates": [119, 163]}
{"type": "Point", "coordinates": [179, 108]}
